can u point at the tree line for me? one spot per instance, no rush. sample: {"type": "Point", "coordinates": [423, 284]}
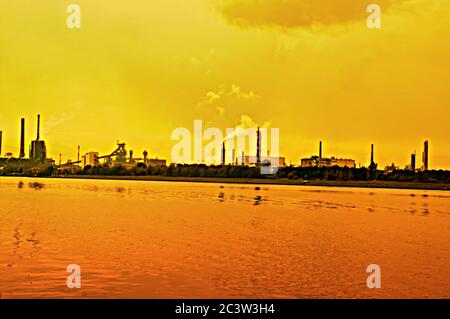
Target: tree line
{"type": "Point", "coordinates": [290, 172]}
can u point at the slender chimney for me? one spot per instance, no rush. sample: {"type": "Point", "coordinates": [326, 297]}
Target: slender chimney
{"type": "Point", "coordinates": [22, 138]}
{"type": "Point", "coordinates": [38, 127]}
{"type": "Point", "coordinates": [371, 156]}
{"type": "Point", "coordinates": [131, 157]}
{"type": "Point", "coordinates": [425, 156]}
{"type": "Point", "coordinates": [78, 155]}
{"type": "Point", "coordinates": [413, 161]}
{"type": "Point", "coordinates": [223, 153]}
{"type": "Point", "coordinates": [258, 147]}
{"type": "Point", "coordinates": [232, 156]}
{"type": "Point", "coordinates": [320, 149]}
{"type": "Point", "coordinates": [1, 137]}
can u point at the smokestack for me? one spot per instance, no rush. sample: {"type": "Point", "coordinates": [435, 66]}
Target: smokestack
{"type": "Point", "coordinates": [425, 156]}
{"type": "Point", "coordinates": [38, 127]}
{"type": "Point", "coordinates": [223, 153]}
{"type": "Point", "coordinates": [232, 156]}
{"type": "Point", "coordinates": [320, 149]}
{"type": "Point", "coordinates": [371, 156]}
{"type": "Point", "coordinates": [131, 156]}
{"type": "Point", "coordinates": [413, 161]}
{"type": "Point", "coordinates": [78, 155]}
{"type": "Point", "coordinates": [1, 137]}
{"type": "Point", "coordinates": [258, 148]}
{"type": "Point", "coordinates": [22, 138]}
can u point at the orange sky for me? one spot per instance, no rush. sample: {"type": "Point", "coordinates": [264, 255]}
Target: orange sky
{"type": "Point", "coordinates": [136, 70]}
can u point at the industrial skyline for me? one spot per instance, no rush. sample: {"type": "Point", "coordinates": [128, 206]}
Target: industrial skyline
{"type": "Point", "coordinates": [38, 154]}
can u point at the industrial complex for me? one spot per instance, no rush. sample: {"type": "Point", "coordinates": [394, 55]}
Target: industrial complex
{"type": "Point", "coordinates": [320, 161]}
{"type": "Point", "coordinates": [37, 159]}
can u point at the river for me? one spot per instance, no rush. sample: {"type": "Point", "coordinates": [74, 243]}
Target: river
{"type": "Point", "coordinates": [138, 239]}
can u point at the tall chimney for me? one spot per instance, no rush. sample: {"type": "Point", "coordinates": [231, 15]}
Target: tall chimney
{"type": "Point", "coordinates": [371, 156]}
{"type": "Point", "coordinates": [413, 161]}
{"type": "Point", "coordinates": [320, 149]}
{"type": "Point", "coordinates": [38, 127]}
{"type": "Point", "coordinates": [223, 153]}
{"type": "Point", "coordinates": [425, 156]}
{"type": "Point", "coordinates": [131, 157]}
{"type": "Point", "coordinates": [78, 155]}
{"type": "Point", "coordinates": [22, 138]}
{"type": "Point", "coordinates": [1, 137]}
{"type": "Point", "coordinates": [258, 147]}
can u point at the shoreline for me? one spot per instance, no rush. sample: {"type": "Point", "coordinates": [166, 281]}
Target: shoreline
{"type": "Point", "coordinates": [279, 181]}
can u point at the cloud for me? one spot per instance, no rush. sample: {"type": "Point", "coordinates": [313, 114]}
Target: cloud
{"type": "Point", "coordinates": [56, 121]}
{"type": "Point", "coordinates": [238, 93]}
{"type": "Point", "coordinates": [298, 13]}
{"type": "Point", "coordinates": [246, 123]}
{"type": "Point", "coordinates": [218, 99]}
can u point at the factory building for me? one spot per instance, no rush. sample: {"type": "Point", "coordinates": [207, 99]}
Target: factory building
{"type": "Point", "coordinates": [154, 162]}
{"type": "Point", "coordinates": [38, 151]}
{"type": "Point", "coordinates": [391, 168]}
{"type": "Point", "coordinates": [316, 161]}
{"type": "Point", "coordinates": [319, 161]}
{"type": "Point", "coordinates": [264, 160]}
{"type": "Point", "coordinates": [90, 158]}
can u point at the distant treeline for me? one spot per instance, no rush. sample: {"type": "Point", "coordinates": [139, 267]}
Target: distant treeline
{"type": "Point", "coordinates": [234, 171]}
{"type": "Point", "coordinates": [295, 173]}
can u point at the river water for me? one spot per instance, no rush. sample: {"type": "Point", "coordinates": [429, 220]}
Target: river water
{"type": "Point", "coordinates": [137, 239]}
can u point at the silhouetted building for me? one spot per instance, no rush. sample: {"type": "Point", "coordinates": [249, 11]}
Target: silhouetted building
{"type": "Point", "coordinates": [90, 158]}
{"type": "Point", "coordinates": [154, 162]}
{"type": "Point", "coordinates": [38, 151]}
{"type": "Point", "coordinates": [413, 162]}
{"type": "Point", "coordinates": [265, 160]}
{"type": "Point", "coordinates": [145, 157]}
{"type": "Point", "coordinates": [320, 161]}
{"type": "Point", "coordinates": [391, 168]}
{"type": "Point", "coordinates": [316, 161]}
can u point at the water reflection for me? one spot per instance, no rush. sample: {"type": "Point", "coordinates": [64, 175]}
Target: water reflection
{"type": "Point", "coordinates": [194, 240]}
{"type": "Point", "coordinates": [258, 200]}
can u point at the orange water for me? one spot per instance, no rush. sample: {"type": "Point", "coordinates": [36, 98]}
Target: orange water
{"type": "Point", "coordinates": [135, 239]}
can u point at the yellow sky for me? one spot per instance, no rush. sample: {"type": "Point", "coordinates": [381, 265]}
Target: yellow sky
{"type": "Point", "coordinates": [138, 69]}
